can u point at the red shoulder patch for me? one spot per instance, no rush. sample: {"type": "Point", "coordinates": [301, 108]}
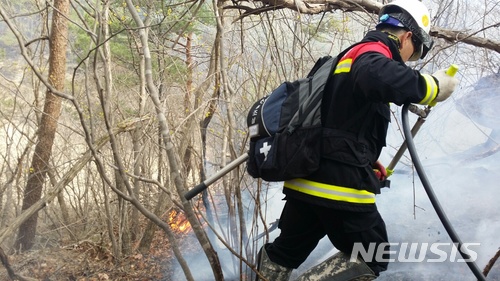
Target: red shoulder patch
{"type": "Point", "coordinates": [362, 48]}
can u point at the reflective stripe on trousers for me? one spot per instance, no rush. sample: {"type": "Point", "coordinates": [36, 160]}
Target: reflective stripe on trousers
{"type": "Point", "coordinates": [333, 192]}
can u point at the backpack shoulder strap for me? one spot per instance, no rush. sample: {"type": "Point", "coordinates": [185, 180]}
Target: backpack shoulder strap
{"type": "Point", "coordinates": [313, 86]}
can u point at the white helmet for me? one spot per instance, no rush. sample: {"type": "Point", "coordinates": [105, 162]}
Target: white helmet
{"type": "Point", "coordinates": [413, 15]}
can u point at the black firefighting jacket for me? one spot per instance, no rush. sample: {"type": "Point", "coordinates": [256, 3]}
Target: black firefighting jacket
{"type": "Point", "coordinates": [356, 114]}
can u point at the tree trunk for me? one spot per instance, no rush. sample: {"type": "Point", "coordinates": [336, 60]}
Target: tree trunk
{"type": "Point", "coordinates": [138, 153]}
{"type": "Point", "coordinates": [175, 175]}
{"type": "Point", "coordinates": [187, 106]}
{"type": "Point", "coordinates": [149, 232]}
{"type": "Point", "coordinates": [48, 123]}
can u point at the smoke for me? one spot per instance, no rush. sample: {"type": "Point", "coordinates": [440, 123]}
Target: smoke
{"type": "Point", "coordinates": [200, 267]}
{"type": "Point", "coordinates": [469, 195]}
{"type": "Point", "coordinates": [196, 258]}
{"type": "Point", "coordinates": [458, 147]}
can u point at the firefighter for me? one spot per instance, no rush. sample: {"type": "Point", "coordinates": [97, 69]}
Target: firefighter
{"type": "Point", "coordinates": [338, 200]}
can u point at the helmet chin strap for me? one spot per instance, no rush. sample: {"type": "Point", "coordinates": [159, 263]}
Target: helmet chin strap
{"type": "Point", "coordinates": [418, 50]}
{"type": "Point", "coordinates": [394, 38]}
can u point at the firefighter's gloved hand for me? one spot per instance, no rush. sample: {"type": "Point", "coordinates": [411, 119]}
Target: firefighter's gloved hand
{"type": "Point", "coordinates": [379, 170]}
{"type": "Point", "coordinates": [446, 83]}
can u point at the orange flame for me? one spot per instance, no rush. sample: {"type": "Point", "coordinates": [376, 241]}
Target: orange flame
{"type": "Point", "coordinates": [178, 222]}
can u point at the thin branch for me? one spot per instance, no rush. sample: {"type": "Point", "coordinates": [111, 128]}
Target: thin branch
{"type": "Point", "coordinates": [36, 40]}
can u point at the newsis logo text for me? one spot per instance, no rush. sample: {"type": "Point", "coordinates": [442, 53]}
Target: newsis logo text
{"type": "Point", "coordinates": [415, 252]}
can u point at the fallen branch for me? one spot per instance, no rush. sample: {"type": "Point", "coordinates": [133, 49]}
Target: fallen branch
{"type": "Point", "coordinates": [490, 264]}
{"type": "Point", "coordinates": [455, 36]}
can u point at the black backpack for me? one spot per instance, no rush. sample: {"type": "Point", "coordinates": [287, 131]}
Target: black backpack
{"type": "Point", "coordinates": [287, 139]}
{"type": "Point", "coordinates": [285, 127]}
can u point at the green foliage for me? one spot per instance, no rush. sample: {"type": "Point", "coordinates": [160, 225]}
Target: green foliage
{"type": "Point", "coordinates": [120, 48]}
{"type": "Point", "coordinates": [175, 71]}
{"type": "Point", "coordinates": [322, 29]}
{"type": "Point", "coordinates": [205, 16]}
{"type": "Point", "coordinates": [80, 42]}
{"type": "Point", "coordinates": [182, 18]}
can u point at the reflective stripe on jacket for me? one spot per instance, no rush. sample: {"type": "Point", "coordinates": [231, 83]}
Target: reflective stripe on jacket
{"type": "Point", "coordinates": [332, 192]}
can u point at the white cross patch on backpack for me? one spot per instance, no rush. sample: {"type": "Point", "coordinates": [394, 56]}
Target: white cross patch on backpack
{"type": "Point", "coordinates": [265, 149]}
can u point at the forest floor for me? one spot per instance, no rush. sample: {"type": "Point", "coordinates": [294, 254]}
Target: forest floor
{"type": "Point", "coordinates": [87, 261]}
{"type": "Point", "coordinates": [91, 261]}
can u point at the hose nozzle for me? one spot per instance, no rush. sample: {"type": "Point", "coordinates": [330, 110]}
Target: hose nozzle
{"type": "Point", "coordinates": [452, 70]}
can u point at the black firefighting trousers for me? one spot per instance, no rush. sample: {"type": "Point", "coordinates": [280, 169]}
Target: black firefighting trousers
{"type": "Point", "coordinates": [303, 225]}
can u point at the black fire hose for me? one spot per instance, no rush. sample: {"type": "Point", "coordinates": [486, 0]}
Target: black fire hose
{"type": "Point", "coordinates": [432, 197]}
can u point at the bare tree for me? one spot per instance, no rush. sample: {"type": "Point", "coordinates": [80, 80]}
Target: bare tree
{"type": "Point", "coordinates": [48, 123]}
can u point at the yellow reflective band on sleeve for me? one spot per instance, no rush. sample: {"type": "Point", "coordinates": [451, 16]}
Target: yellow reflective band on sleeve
{"type": "Point", "coordinates": [432, 89]}
{"type": "Point", "coordinates": [332, 192]}
{"type": "Point", "coordinates": [343, 66]}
